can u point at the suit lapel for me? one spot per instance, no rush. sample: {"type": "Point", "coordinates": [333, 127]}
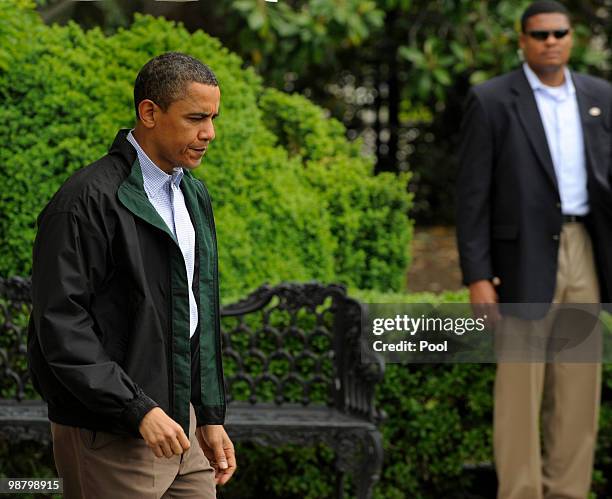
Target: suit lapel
{"type": "Point", "coordinates": [529, 116]}
{"type": "Point", "coordinates": [587, 102]}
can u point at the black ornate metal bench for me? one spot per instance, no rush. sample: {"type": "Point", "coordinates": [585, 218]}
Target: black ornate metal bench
{"type": "Point", "coordinates": [293, 371]}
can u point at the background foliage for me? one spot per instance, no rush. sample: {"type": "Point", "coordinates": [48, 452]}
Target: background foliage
{"type": "Point", "coordinates": [294, 200]}
{"type": "Point", "coordinates": [395, 72]}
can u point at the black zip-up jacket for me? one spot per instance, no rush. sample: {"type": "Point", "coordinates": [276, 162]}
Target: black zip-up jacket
{"type": "Point", "coordinates": [108, 336]}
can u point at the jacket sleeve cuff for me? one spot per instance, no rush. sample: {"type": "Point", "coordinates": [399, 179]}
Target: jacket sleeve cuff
{"type": "Point", "coordinates": [136, 409]}
{"type": "Point", "coordinates": [476, 272]}
{"type": "Point", "coordinates": [206, 415]}
{"type": "Point", "coordinates": [485, 276]}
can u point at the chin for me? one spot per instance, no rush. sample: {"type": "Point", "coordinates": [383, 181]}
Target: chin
{"type": "Point", "coordinates": [189, 163]}
{"type": "Point", "coordinates": [550, 66]}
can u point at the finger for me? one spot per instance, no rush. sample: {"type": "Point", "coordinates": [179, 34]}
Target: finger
{"type": "Point", "coordinates": [157, 451]}
{"type": "Point", "coordinates": [227, 473]}
{"type": "Point", "coordinates": [478, 309]}
{"type": "Point", "coordinates": [166, 449]}
{"type": "Point", "coordinates": [493, 313]}
{"type": "Point", "coordinates": [220, 455]}
{"type": "Point", "coordinates": [231, 457]}
{"type": "Point", "coordinates": [215, 466]}
{"type": "Point", "coordinates": [218, 473]}
{"type": "Point", "coordinates": [487, 311]}
{"type": "Point", "coordinates": [224, 477]}
{"type": "Point", "coordinates": [176, 446]}
{"type": "Point", "coordinates": [183, 440]}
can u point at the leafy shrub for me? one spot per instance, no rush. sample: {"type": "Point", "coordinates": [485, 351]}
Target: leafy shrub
{"type": "Point", "coordinates": [289, 206]}
{"type": "Point", "coordinates": [370, 251]}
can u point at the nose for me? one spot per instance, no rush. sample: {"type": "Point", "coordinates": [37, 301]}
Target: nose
{"type": "Point", "coordinates": [550, 39]}
{"type": "Point", "coordinates": [207, 131]}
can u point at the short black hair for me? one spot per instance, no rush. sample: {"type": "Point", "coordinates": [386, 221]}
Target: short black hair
{"type": "Point", "coordinates": [164, 78]}
{"type": "Point", "coordinates": [542, 7]}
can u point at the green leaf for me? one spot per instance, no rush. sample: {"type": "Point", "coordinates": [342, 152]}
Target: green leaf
{"type": "Point", "coordinates": [412, 54]}
{"type": "Point", "coordinates": [244, 5]}
{"type": "Point", "coordinates": [479, 77]}
{"type": "Point", "coordinates": [256, 20]}
{"type": "Point", "coordinates": [442, 76]}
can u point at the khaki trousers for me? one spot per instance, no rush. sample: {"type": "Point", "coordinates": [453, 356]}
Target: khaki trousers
{"type": "Point", "coordinates": [102, 465]}
{"type": "Point", "coordinates": [567, 394]}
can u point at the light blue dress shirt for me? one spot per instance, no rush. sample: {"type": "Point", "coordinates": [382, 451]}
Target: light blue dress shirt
{"type": "Point", "coordinates": [165, 195]}
{"type": "Point", "coordinates": [560, 115]}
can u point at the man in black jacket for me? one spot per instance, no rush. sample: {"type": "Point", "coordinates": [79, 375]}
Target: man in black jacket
{"type": "Point", "coordinates": [534, 226]}
{"type": "Point", "coordinates": [124, 336]}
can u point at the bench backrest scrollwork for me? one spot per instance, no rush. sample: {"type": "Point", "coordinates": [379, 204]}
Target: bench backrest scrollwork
{"type": "Point", "coordinates": [284, 344]}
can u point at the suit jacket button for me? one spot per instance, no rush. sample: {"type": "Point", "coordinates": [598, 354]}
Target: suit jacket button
{"type": "Point", "coordinates": [556, 237]}
{"type": "Point", "coordinates": [558, 205]}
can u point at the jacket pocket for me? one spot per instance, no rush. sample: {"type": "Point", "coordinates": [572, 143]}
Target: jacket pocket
{"type": "Point", "coordinates": [504, 231]}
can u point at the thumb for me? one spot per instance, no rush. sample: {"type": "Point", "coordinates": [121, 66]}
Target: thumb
{"type": "Point", "coordinates": [220, 455]}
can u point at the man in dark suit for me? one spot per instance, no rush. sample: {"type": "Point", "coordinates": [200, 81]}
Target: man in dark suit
{"type": "Point", "coordinates": [534, 226]}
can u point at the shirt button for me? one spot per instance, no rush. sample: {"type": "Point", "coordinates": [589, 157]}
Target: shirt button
{"type": "Point", "coordinates": [556, 237]}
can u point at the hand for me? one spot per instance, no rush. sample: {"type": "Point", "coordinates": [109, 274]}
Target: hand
{"type": "Point", "coordinates": [162, 434]}
{"type": "Point", "coordinates": [484, 301]}
{"type": "Point", "coordinates": [219, 450]}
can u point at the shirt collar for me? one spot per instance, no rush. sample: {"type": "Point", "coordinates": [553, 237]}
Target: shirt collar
{"type": "Point", "coordinates": [153, 177]}
{"type": "Point", "coordinates": [536, 84]}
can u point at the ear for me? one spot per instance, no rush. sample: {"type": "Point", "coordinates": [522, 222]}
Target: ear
{"type": "Point", "coordinates": [147, 110]}
{"type": "Point", "coordinates": [522, 40]}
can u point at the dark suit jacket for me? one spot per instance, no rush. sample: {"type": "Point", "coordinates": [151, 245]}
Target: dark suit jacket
{"type": "Point", "coordinates": [508, 205]}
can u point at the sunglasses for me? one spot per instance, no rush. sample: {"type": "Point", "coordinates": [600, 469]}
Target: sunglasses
{"type": "Point", "coordinates": [543, 35]}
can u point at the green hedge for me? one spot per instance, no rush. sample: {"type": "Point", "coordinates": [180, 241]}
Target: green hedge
{"type": "Point", "coordinates": [294, 199]}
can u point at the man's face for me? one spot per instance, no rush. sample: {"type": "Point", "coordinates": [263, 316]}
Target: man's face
{"type": "Point", "coordinates": [183, 132]}
{"type": "Point", "coordinates": [549, 54]}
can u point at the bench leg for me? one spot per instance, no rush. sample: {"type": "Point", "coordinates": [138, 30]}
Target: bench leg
{"type": "Point", "coordinates": [371, 465]}
{"type": "Point", "coordinates": [339, 484]}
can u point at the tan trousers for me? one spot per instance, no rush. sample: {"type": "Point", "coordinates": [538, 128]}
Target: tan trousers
{"type": "Point", "coordinates": [567, 394]}
{"type": "Point", "coordinates": [102, 465]}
